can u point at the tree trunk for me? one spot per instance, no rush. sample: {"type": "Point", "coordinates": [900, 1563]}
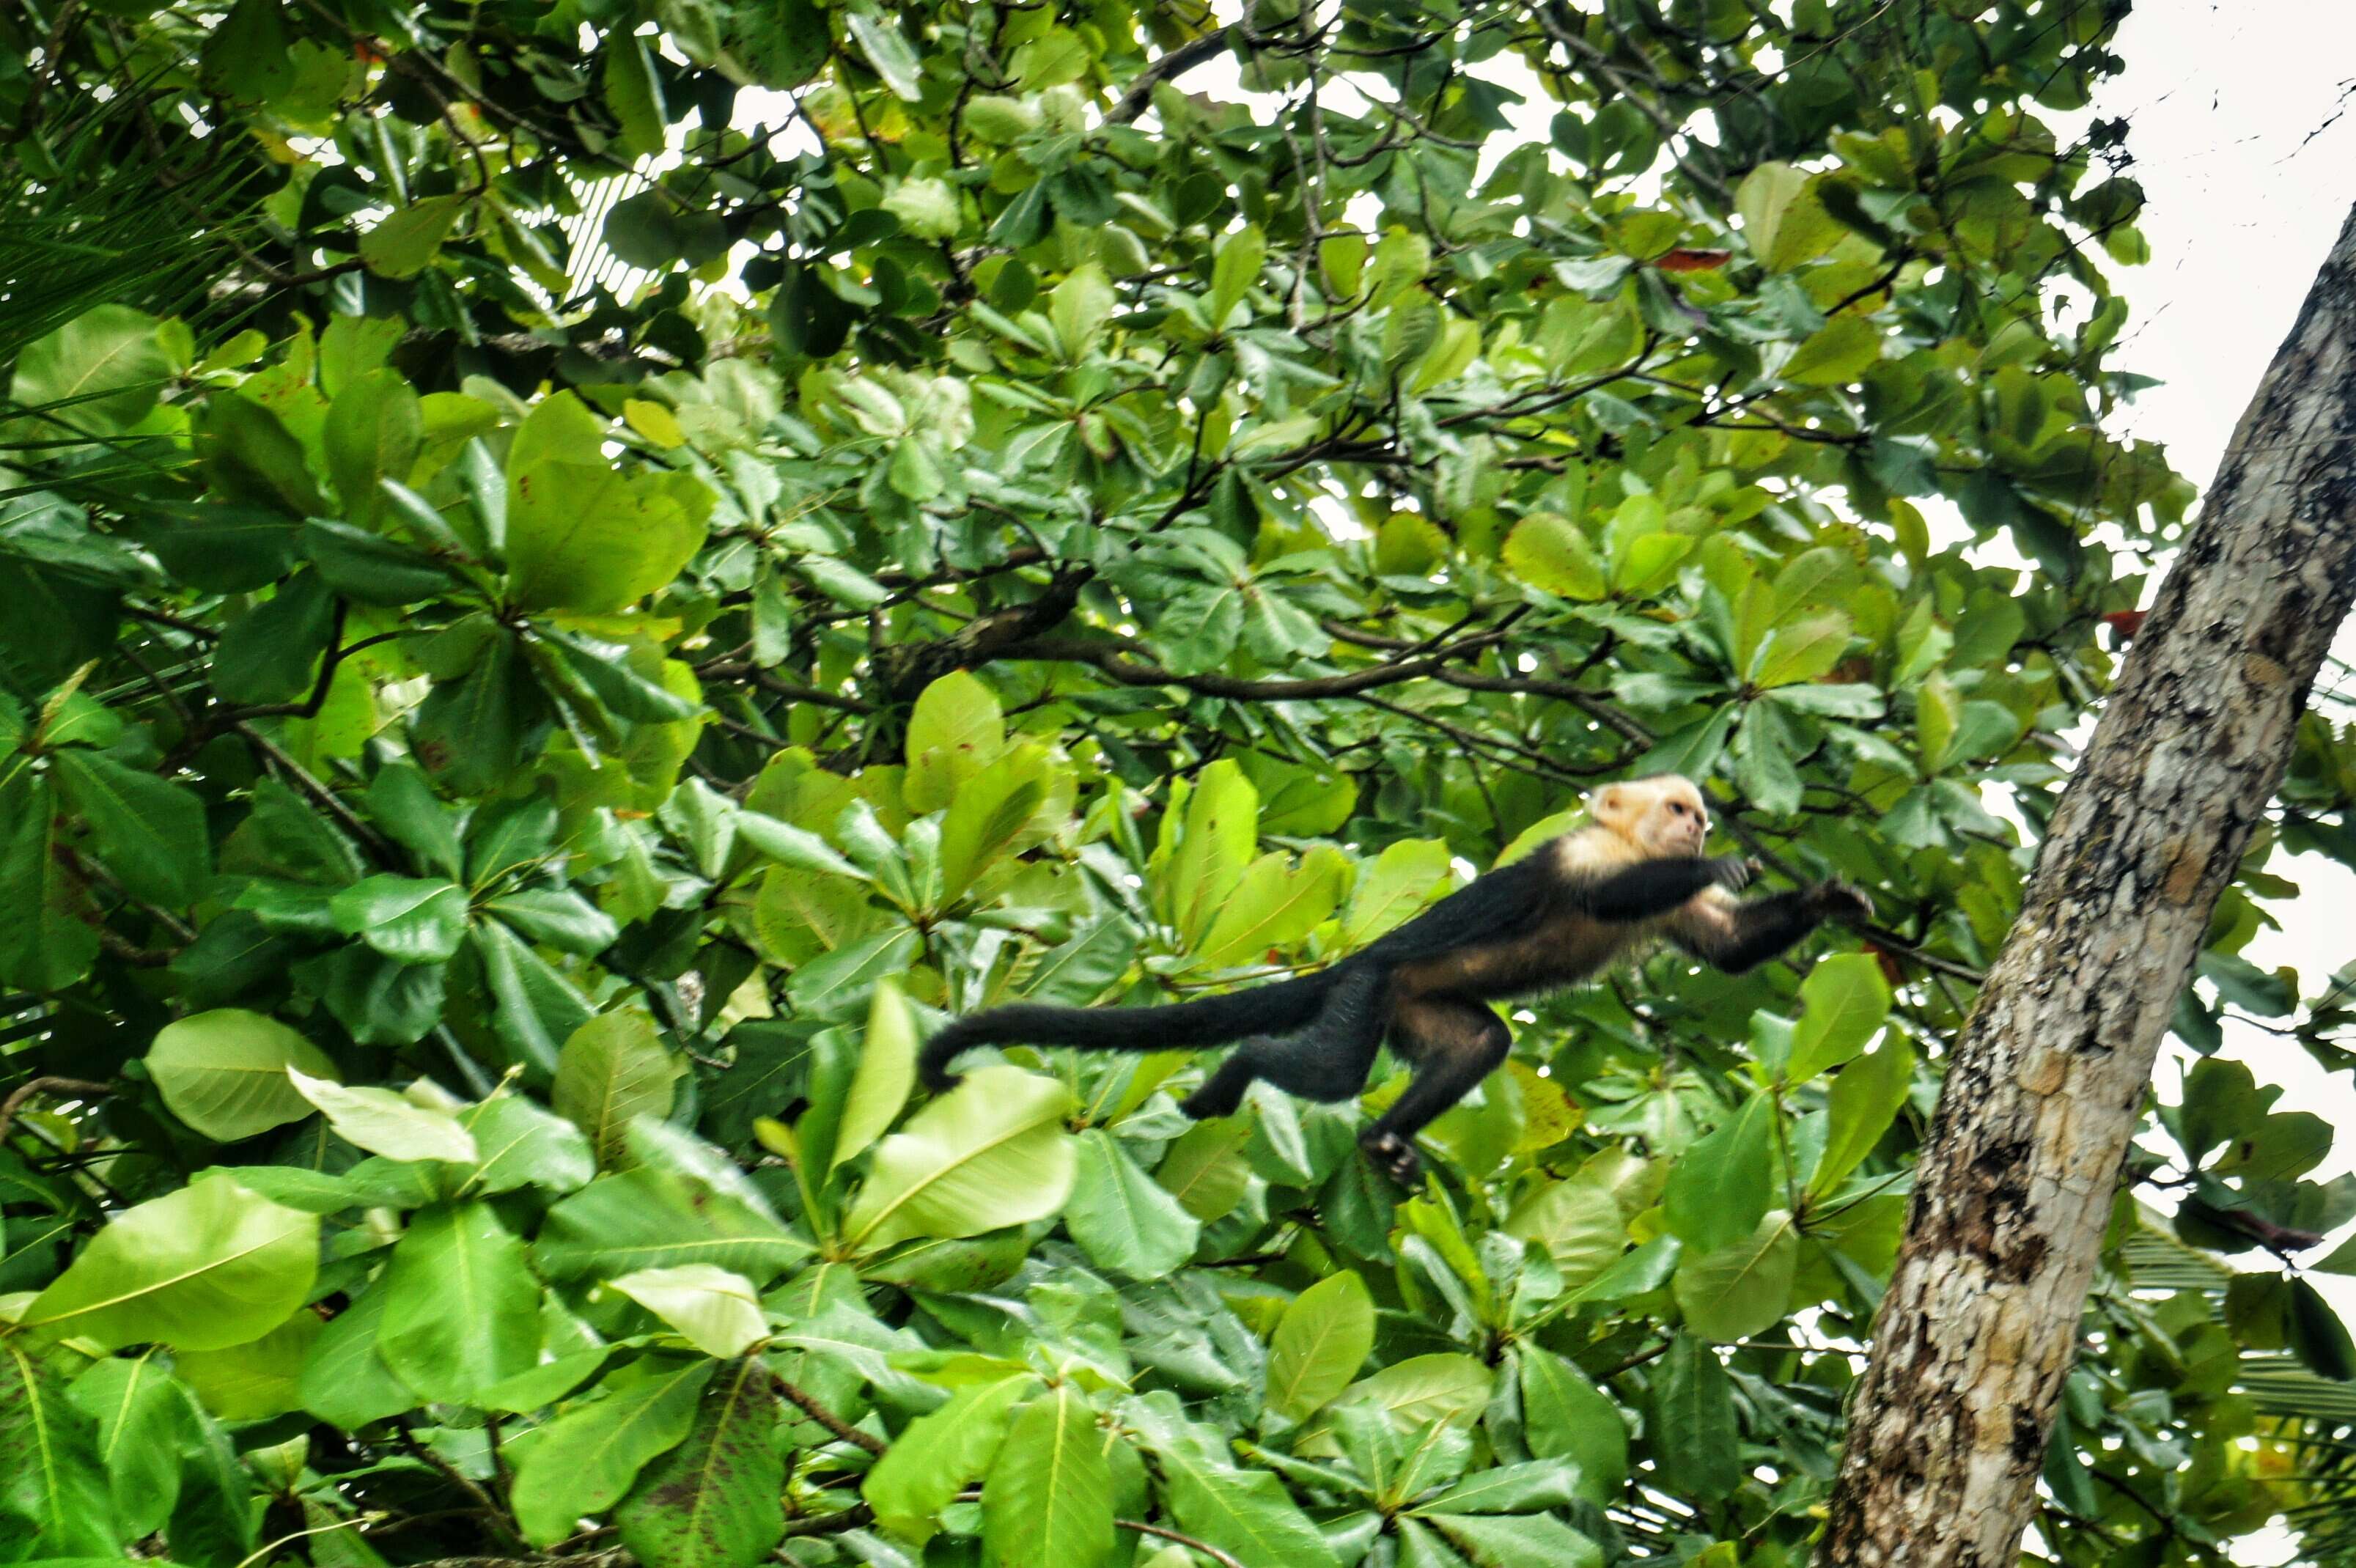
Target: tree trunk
{"type": "Point", "coordinates": [1947, 1429]}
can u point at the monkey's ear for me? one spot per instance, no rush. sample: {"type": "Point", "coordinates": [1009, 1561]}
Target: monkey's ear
{"type": "Point", "coordinates": [1610, 804]}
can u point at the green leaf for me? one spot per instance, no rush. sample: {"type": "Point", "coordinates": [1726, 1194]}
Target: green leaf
{"type": "Point", "coordinates": [886, 1072]}
{"type": "Point", "coordinates": [717, 1311]}
{"type": "Point", "coordinates": [224, 1073]}
{"type": "Point", "coordinates": [461, 1308]}
{"type": "Point", "coordinates": [1518, 1540]}
{"type": "Point", "coordinates": [926, 208]}
{"type": "Point", "coordinates": [1648, 563]}
{"type": "Point", "coordinates": [224, 549]}
{"type": "Point", "coordinates": [655, 1219]}
{"type": "Point", "coordinates": [402, 242]}
{"type": "Point", "coordinates": [54, 1497]}
{"type": "Point", "coordinates": [547, 1383]}
{"type": "Point", "coordinates": [248, 58]}
{"type": "Point", "coordinates": [1121, 1217]}
{"type": "Point", "coordinates": [99, 373]}
{"type": "Point", "coordinates": [989, 1154]}
{"type": "Point", "coordinates": [406, 918]}
{"type": "Point", "coordinates": [344, 1378]}
{"type": "Point", "coordinates": [375, 429]}
{"type": "Point", "coordinates": [956, 730]}
{"type": "Point", "coordinates": [658, 228]}
{"type": "Point", "coordinates": [1577, 1221]}
{"type": "Point", "coordinates": [267, 654]}
{"type": "Point", "coordinates": [1413, 1393]}
{"type": "Point", "coordinates": [987, 813]}
{"type": "Point", "coordinates": [1275, 905]}
{"type": "Point", "coordinates": [383, 1122]}
{"type": "Point", "coordinates": [1318, 1345]}
{"type": "Point", "coordinates": [1566, 1416]}
{"type": "Point", "coordinates": [137, 1415]}
{"type": "Point", "coordinates": [1234, 268]}
{"type": "Point", "coordinates": [518, 1143]}
{"type": "Point", "coordinates": [368, 567]}
{"type": "Point", "coordinates": [712, 1501]}
{"type": "Point", "coordinates": [560, 918]}
{"type": "Point", "coordinates": [256, 1380]}
{"type": "Point", "coordinates": [1221, 830]}
{"type": "Point", "coordinates": [1697, 1442]}
{"type": "Point", "coordinates": [1781, 216]}
{"type": "Point", "coordinates": [835, 986]}
{"type": "Point", "coordinates": [208, 1266]}
{"type": "Point", "coordinates": [783, 45]}
{"type": "Point", "coordinates": [941, 1454]}
{"type": "Point", "coordinates": [613, 1068]}
{"type": "Point", "coordinates": [1644, 1268]}
{"type": "Point", "coordinates": [1401, 880]}
{"type": "Point", "coordinates": [1844, 1002]}
{"type": "Point", "coordinates": [48, 935]}
{"type": "Point", "coordinates": [888, 52]}
{"type": "Point", "coordinates": [1079, 308]}
{"type": "Point", "coordinates": [582, 533]}
{"type": "Point", "coordinates": [1863, 1101]}
{"type": "Point", "coordinates": [1204, 1169]}
{"type": "Point", "coordinates": [1801, 651]}
{"type": "Point", "coordinates": [251, 458]}
{"type": "Point", "coordinates": [635, 96]}
{"type": "Point", "coordinates": [1246, 1513]}
{"type": "Point", "coordinates": [1741, 1289]}
{"type": "Point", "coordinates": [1839, 352]}
{"type": "Point", "coordinates": [1509, 1488]}
{"type": "Point", "coordinates": [585, 1459]}
{"type": "Point", "coordinates": [1720, 1186]}
{"type": "Point", "coordinates": [791, 846]}
{"type": "Point", "coordinates": [1049, 1495]}
{"type": "Point", "coordinates": [1550, 554]}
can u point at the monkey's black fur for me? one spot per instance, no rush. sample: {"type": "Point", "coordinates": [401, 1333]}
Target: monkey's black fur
{"type": "Point", "coordinates": [1425, 986]}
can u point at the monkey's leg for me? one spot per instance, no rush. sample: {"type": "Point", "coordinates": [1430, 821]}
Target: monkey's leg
{"type": "Point", "coordinates": [1223, 1092]}
{"type": "Point", "coordinates": [1327, 1060]}
{"type": "Point", "coordinates": [1456, 1044]}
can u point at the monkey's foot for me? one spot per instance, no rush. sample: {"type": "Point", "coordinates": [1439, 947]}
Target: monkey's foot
{"type": "Point", "coordinates": [1393, 1155]}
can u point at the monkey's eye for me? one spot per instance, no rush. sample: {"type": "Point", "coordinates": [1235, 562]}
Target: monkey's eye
{"type": "Point", "coordinates": [1676, 808]}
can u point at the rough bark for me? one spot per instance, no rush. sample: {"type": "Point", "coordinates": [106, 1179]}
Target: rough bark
{"type": "Point", "coordinates": [1947, 1429]}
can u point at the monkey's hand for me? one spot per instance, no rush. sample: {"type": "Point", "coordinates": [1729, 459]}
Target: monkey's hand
{"type": "Point", "coordinates": [1840, 901]}
{"type": "Point", "coordinates": [1733, 871]}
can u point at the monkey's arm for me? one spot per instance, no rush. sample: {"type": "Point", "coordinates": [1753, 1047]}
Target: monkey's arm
{"type": "Point", "coordinates": [1736, 935]}
{"type": "Point", "coordinates": [1655, 887]}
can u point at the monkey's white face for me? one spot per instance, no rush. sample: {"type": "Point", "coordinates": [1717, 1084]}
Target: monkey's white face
{"type": "Point", "coordinates": [1676, 822]}
{"type": "Point", "coordinates": [1662, 817]}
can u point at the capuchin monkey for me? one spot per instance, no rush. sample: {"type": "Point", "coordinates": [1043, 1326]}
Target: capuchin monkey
{"type": "Point", "coordinates": [1574, 907]}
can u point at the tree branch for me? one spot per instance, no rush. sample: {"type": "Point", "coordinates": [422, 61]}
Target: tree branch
{"type": "Point", "coordinates": [1118, 664]}
{"type": "Point", "coordinates": [1176, 63]}
{"type": "Point", "coordinates": [81, 1089]}
{"type": "Point", "coordinates": [808, 1404]}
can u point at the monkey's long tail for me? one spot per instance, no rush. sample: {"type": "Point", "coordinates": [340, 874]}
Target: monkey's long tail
{"type": "Point", "coordinates": [1264, 1009]}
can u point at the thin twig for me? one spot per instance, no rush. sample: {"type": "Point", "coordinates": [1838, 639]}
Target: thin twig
{"type": "Point", "coordinates": [79, 1088]}
{"type": "Point", "coordinates": [1177, 62]}
{"type": "Point", "coordinates": [1188, 1542]}
{"type": "Point", "coordinates": [826, 1418]}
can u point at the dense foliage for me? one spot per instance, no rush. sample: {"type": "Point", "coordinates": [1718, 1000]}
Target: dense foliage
{"type": "Point", "coordinates": [580, 574]}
